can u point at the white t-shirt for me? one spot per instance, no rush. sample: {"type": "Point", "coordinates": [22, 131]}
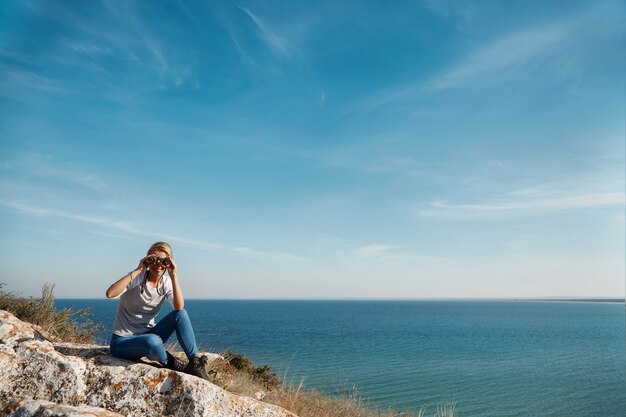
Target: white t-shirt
{"type": "Point", "coordinates": [137, 310]}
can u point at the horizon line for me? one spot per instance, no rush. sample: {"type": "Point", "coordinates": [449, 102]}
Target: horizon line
{"type": "Point", "coordinates": [550, 298]}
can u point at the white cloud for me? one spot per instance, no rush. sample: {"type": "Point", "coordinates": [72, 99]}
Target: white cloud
{"type": "Point", "coordinates": [131, 229]}
{"type": "Point", "coordinates": [509, 51]}
{"type": "Point", "coordinates": [278, 44]}
{"type": "Point", "coordinates": [518, 52]}
{"type": "Point", "coordinates": [520, 206]}
{"type": "Point", "coordinates": [16, 80]}
{"type": "Point", "coordinates": [381, 255]}
{"type": "Point", "coordinates": [503, 53]}
{"type": "Point", "coordinates": [239, 48]}
{"type": "Point", "coordinates": [45, 166]}
{"type": "Point", "coordinates": [564, 190]}
{"type": "Point", "coordinates": [372, 251]}
{"type": "Point", "coordinates": [46, 212]}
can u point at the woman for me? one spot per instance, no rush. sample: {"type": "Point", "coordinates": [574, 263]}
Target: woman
{"type": "Point", "coordinates": [143, 292]}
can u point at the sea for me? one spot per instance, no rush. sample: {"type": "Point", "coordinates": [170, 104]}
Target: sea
{"type": "Point", "coordinates": [488, 358]}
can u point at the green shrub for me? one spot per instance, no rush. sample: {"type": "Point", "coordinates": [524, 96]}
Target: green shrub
{"type": "Point", "coordinates": [262, 374]}
{"type": "Point", "coordinates": [60, 325]}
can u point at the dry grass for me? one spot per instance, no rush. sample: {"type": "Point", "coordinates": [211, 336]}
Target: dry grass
{"type": "Point", "coordinates": [60, 325]}
{"type": "Point", "coordinates": [312, 403]}
{"type": "Point", "coordinates": [446, 410]}
{"type": "Point", "coordinates": [300, 401]}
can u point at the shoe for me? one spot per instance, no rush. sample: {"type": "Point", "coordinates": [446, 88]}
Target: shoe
{"type": "Point", "coordinates": [196, 367]}
{"type": "Point", "coordinates": [174, 363]}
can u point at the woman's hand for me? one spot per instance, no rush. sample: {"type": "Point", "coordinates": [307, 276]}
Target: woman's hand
{"type": "Point", "coordinates": [171, 270]}
{"type": "Point", "coordinates": [178, 300]}
{"type": "Point", "coordinates": [142, 264]}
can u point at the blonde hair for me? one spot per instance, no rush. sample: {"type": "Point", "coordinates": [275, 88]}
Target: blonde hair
{"type": "Point", "coordinates": [161, 246]}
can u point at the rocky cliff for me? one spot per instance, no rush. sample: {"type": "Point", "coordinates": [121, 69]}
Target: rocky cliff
{"type": "Point", "coordinates": [43, 378]}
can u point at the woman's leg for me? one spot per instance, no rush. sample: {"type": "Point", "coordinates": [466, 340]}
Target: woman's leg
{"type": "Point", "coordinates": [177, 320]}
{"type": "Point", "coordinates": [135, 347]}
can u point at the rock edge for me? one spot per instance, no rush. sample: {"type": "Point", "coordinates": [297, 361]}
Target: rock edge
{"type": "Point", "coordinates": [42, 378]}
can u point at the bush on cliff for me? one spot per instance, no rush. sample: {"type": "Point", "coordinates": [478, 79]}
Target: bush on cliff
{"type": "Point", "coordinates": [263, 375]}
{"type": "Point", "coordinates": [61, 325]}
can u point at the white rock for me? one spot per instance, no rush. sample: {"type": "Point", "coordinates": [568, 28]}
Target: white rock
{"type": "Point", "coordinates": [12, 329]}
{"type": "Point", "coordinates": [73, 375]}
{"type": "Point", "coordinates": [42, 408]}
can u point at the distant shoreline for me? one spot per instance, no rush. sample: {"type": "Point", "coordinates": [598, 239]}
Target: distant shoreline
{"type": "Point", "coordinates": [579, 300]}
{"type": "Point", "coordinates": [549, 300]}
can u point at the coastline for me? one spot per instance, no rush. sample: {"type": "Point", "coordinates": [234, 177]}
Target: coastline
{"type": "Point", "coordinates": [583, 300]}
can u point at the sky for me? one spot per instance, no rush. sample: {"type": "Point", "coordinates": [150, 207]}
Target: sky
{"type": "Point", "coordinates": [328, 149]}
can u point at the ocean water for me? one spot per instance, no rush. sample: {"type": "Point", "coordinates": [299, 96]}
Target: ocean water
{"type": "Point", "coordinates": [491, 358]}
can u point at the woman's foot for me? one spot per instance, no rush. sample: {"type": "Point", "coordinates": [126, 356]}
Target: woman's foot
{"type": "Point", "coordinates": [174, 363]}
{"type": "Point", "coordinates": [196, 367]}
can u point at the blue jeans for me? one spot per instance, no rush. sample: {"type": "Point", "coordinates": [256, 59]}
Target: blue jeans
{"type": "Point", "coordinates": [151, 343]}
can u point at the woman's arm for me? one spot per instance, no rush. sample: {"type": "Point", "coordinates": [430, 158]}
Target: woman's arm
{"type": "Point", "coordinates": [119, 285]}
{"type": "Point", "coordinates": [179, 301]}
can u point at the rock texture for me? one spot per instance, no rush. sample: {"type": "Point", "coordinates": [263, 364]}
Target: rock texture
{"type": "Point", "coordinates": [41, 378]}
{"type": "Point", "coordinates": [23, 408]}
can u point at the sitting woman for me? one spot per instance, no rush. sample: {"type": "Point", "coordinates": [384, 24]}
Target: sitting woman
{"type": "Point", "coordinates": [143, 292]}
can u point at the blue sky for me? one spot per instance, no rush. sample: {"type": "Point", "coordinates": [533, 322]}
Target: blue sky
{"type": "Point", "coordinates": [300, 149]}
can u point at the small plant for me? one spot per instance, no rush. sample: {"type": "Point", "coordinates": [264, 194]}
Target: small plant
{"type": "Point", "coordinates": [446, 410]}
{"type": "Point", "coordinates": [60, 325]}
{"type": "Point", "coordinates": [262, 374]}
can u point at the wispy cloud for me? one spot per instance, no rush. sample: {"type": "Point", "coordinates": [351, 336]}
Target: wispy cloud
{"type": "Point", "coordinates": [47, 212]}
{"type": "Point", "coordinates": [518, 206]}
{"type": "Point", "coordinates": [372, 251]}
{"type": "Point", "coordinates": [174, 67]}
{"type": "Point", "coordinates": [387, 255]}
{"type": "Point", "coordinates": [238, 46]}
{"type": "Point", "coordinates": [278, 44]}
{"type": "Point", "coordinates": [504, 53]}
{"type": "Point", "coordinates": [510, 51]}
{"type": "Point", "coordinates": [14, 80]}
{"type": "Point", "coordinates": [457, 9]}
{"type": "Point", "coordinates": [139, 43]}
{"type": "Point", "coordinates": [376, 155]}
{"type": "Point", "coordinates": [493, 61]}
{"type": "Point", "coordinates": [602, 188]}
{"type": "Point", "coordinates": [45, 166]}
{"type": "Point", "coordinates": [130, 229]}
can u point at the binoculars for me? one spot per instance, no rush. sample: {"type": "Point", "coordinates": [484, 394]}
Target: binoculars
{"type": "Point", "coordinates": [150, 260]}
